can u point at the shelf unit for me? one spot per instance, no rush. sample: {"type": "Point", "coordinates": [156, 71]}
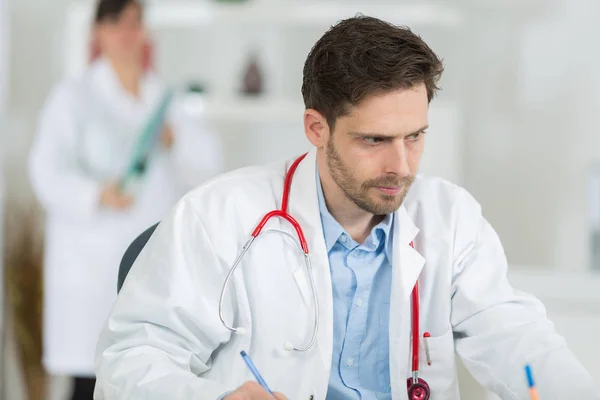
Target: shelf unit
{"type": "Point", "coordinates": [185, 13]}
{"type": "Point", "coordinates": [189, 14]}
{"type": "Point", "coordinates": [252, 110]}
{"type": "Point", "coordinates": [210, 42]}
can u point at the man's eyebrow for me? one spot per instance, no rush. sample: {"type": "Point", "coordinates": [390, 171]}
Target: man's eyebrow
{"type": "Point", "coordinates": [384, 136]}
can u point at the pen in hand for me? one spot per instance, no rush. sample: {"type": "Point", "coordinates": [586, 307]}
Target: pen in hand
{"type": "Point", "coordinates": [255, 372]}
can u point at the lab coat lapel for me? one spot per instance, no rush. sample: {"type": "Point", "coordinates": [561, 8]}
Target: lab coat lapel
{"type": "Point", "coordinates": [304, 208]}
{"type": "Point", "coordinates": [108, 86]}
{"type": "Point", "coordinates": [407, 265]}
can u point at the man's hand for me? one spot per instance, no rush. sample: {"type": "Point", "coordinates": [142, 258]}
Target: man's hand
{"type": "Point", "coordinates": [252, 391]}
{"type": "Point", "coordinates": [112, 197]}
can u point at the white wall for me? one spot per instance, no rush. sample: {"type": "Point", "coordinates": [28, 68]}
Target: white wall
{"type": "Point", "coordinates": [4, 53]}
{"type": "Point", "coordinates": [533, 131]}
{"type": "Point", "coordinates": [35, 66]}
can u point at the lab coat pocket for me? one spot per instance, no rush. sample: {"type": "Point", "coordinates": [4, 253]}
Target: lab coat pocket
{"type": "Point", "coordinates": [440, 374]}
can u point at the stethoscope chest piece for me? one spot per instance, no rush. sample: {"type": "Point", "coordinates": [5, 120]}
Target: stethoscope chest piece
{"type": "Point", "coordinates": [417, 391]}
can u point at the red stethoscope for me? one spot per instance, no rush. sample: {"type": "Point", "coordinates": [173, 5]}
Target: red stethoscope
{"type": "Point", "coordinates": [417, 388]}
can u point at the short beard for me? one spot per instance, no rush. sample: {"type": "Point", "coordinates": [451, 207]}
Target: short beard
{"type": "Point", "coordinates": [359, 193]}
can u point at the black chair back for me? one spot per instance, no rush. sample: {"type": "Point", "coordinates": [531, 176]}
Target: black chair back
{"type": "Point", "coordinates": [132, 253]}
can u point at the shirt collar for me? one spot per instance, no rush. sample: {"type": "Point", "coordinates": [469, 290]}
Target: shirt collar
{"type": "Point", "coordinates": [332, 229]}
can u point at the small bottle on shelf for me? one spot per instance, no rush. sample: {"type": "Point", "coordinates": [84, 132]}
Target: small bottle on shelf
{"type": "Point", "coordinates": [253, 76]}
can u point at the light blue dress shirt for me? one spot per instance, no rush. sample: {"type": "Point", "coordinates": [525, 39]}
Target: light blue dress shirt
{"type": "Point", "coordinates": [361, 278]}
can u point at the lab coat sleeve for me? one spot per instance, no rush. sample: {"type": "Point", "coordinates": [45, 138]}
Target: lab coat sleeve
{"type": "Point", "coordinates": [197, 153]}
{"type": "Point", "coordinates": [499, 329]}
{"type": "Point", "coordinates": [58, 182]}
{"type": "Point", "coordinates": [164, 326]}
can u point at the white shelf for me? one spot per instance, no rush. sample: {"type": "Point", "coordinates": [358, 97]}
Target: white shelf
{"type": "Point", "coordinates": [185, 13]}
{"type": "Point", "coordinates": [279, 14]}
{"type": "Point", "coordinates": [247, 110]}
{"type": "Point", "coordinates": [190, 14]}
{"type": "Point", "coordinates": [265, 109]}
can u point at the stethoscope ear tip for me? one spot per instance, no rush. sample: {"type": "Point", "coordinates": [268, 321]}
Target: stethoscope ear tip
{"type": "Point", "coordinates": [241, 331]}
{"type": "Point", "coordinates": [287, 346]}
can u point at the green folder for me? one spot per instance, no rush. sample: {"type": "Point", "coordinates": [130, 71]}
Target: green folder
{"type": "Point", "coordinates": [146, 143]}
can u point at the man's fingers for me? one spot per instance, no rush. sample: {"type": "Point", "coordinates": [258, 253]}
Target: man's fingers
{"type": "Point", "coordinates": [251, 391]}
{"type": "Point", "coordinates": [256, 391]}
{"type": "Point", "coordinates": [237, 396]}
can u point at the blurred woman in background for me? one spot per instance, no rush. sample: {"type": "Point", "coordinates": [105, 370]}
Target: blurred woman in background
{"type": "Point", "coordinates": [88, 130]}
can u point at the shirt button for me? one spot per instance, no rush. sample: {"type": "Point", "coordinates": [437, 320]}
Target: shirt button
{"type": "Point", "coordinates": [359, 302]}
{"type": "Point", "coordinates": [344, 238]}
{"type": "Point", "coordinates": [350, 362]}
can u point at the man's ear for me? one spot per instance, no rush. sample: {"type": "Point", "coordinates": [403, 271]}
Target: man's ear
{"type": "Point", "coordinates": [316, 128]}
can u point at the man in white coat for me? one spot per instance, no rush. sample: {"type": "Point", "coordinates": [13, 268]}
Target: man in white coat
{"type": "Point", "coordinates": [88, 130]}
{"type": "Point", "coordinates": [375, 233]}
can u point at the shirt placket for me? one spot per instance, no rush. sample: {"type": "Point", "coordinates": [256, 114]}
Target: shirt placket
{"type": "Point", "coordinates": [357, 317]}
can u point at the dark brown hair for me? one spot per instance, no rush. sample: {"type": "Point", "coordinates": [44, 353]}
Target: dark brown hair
{"type": "Point", "coordinates": [364, 56]}
{"type": "Point", "coordinates": [112, 9]}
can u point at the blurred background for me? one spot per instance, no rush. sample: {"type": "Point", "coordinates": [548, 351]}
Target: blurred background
{"type": "Point", "coordinates": [517, 124]}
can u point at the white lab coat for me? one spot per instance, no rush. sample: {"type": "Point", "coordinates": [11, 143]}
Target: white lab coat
{"type": "Point", "coordinates": [164, 338]}
{"type": "Point", "coordinates": [86, 132]}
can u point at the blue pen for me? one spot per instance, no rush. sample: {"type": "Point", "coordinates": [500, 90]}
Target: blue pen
{"type": "Point", "coordinates": [255, 372]}
{"type": "Point", "coordinates": [532, 389]}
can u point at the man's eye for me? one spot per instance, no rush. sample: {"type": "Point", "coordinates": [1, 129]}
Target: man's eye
{"type": "Point", "coordinates": [372, 140]}
{"type": "Point", "coordinates": [415, 136]}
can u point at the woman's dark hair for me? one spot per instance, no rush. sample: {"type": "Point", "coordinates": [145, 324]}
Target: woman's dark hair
{"type": "Point", "coordinates": [112, 9]}
{"type": "Point", "coordinates": [363, 56]}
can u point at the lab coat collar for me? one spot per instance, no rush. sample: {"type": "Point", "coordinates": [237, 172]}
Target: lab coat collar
{"type": "Point", "coordinates": [407, 264]}
{"type": "Point", "coordinates": [304, 207]}
{"type": "Point", "coordinates": [107, 84]}
{"type": "Point", "coordinates": [105, 78]}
